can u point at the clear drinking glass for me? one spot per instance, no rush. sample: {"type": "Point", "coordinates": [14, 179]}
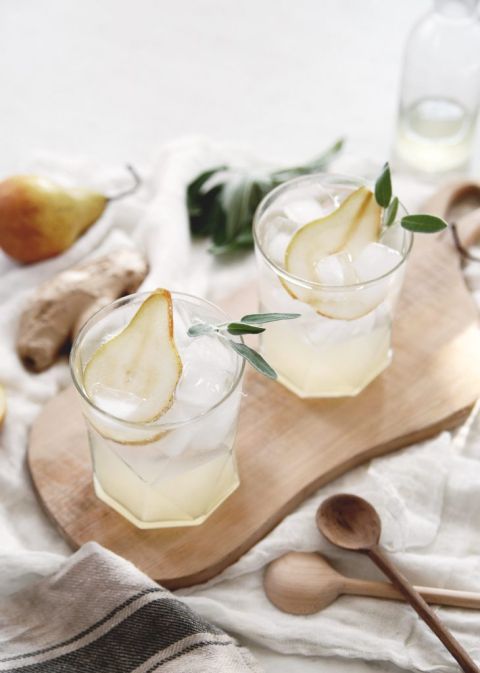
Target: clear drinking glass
{"type": "Point", "coordinates": [342, 339]}
{"type": "Point", "coordinates": [440, 90]}
{"type": "Point", "coordinates": [176, 470]}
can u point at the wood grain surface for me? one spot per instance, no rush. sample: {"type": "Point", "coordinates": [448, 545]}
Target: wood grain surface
{"type": "Point", "coordinates": [286, 447]}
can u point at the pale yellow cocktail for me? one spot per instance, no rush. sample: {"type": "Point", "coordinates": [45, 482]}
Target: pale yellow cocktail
{"type": "Point", "coordinates": [323, 252]}
{"type": "Point", "coordinates": [159, 463]}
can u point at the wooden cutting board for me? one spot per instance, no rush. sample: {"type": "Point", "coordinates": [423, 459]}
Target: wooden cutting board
{"type": "Point", "coordinates": [286, 447]}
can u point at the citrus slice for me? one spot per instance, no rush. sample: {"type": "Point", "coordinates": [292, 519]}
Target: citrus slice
{"type": "Point", "coordinates": [348, 229]}
{"type": "Point", "coordinates": [134, 375]}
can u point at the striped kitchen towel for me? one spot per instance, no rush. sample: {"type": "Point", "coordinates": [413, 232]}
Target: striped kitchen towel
{"type": "Point", "coordinates": [99, 614]}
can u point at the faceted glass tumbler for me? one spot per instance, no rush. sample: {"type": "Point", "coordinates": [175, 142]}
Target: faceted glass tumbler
{"type": "Point", "coordinates": [320, 354]}
{"type": "Point", "coordinates": [176, 470]}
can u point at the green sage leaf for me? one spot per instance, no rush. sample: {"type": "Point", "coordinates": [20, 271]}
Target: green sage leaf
{"type": "Point", "coordinates": [234, 246]}
{"type": "Point", "coordinates": [315, 165]}
{"type": "Point", "coordinates": [423, 224]}
{"type": "Point", "coordinates": [198, 329]}
{"type": "Point", "coordinates": [203, 202]}
{"type": "Point", "coordinates": [383, 187]}
{"type": "Point", "coordinates": [195, 189]}
{"type": "Point", "coordinates": [254, 358]}
{"type": "Point", "coordinates": [391, 212]}
{"type": "Point", "coordinates": [222, 201]}
{"type": "Point", "coordinates": [242, 328]}
{"type": "Point", "coordinates": [261, 318]}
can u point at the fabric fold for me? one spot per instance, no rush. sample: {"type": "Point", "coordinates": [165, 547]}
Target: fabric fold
{"type": "Point", "coordinates": [99, 613]}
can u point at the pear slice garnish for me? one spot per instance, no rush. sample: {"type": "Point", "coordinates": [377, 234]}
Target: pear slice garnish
{"type": "Point", "coordinates": [137, 371]}
{"type": "Point", "coordinates": [348, 229]}
{"type": "Point", "coordinates": [366, 228]}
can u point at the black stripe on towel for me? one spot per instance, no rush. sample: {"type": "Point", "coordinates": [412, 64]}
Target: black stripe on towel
{"type": "Point", "coordinates": [152, 628]}
{"type": "Point", "coordinates": [187, 650]}
{"type": "Point", "coordinates": [85, 632]}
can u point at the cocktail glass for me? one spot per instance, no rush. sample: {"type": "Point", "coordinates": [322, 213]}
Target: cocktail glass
{"type": "Point", "coordinates": [339, 349]}
{"type": "Point", "coordinates": [174, 471]}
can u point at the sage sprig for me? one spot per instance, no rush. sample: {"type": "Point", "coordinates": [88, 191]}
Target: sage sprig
{"type": "Point", "coordinates": [391, 212]}
{"type": "Point", "coordinates": [249, 324]}
{"type": "Point", "coordinates": [425, 224]}
{"type": "Point", "coordinates": [419, 223]}
{"type": "Point", "coordinates": [383, 187]}
{"type": "Point", "coordinates": [255, 359]}
{"type": "Point", "coordinates": [222, 201]}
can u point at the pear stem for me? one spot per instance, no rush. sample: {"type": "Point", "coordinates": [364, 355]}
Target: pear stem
{"type": "Point", "coordinates": [137, 181]}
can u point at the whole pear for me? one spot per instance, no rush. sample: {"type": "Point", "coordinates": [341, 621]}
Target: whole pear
{"type": "Point", "coordinates": [40, 219]}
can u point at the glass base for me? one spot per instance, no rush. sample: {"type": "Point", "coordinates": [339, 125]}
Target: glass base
{"type": "Point", "coordinates": [118, 507]}
{"type": "Point", "coordinates": [342, 390]}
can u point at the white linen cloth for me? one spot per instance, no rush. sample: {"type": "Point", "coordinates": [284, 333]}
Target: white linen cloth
{"type": "Point", "coordinates": [428, 496]}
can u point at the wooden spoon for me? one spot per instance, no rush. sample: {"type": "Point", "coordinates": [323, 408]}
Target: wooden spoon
{"type": "Point", "coordinates": [302, 583]}
{"type": "Point", "coordinates": [352, 523]}
{"type": "Point", "coordinates": [454, 200]}
{"type": "Point", "coordinates": [459, 203]}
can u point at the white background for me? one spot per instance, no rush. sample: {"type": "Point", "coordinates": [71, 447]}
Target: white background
{"type": "Point", "coordinates": [115, 79]}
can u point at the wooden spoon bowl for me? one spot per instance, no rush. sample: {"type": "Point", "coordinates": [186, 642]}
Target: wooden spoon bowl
{"type": "Point", "coordinates": [302, 583]}
{"type": "Point", "coordinates": [349, 522]}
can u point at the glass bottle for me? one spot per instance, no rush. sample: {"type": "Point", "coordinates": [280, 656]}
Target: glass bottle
{"type": "Point", "coordinates": [440, 90]}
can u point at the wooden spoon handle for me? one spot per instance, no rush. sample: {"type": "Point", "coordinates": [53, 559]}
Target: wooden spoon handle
{"type": "Point", "coordinates": [423, 610]}
{"type": "Point", "coordinates": [458, 599]}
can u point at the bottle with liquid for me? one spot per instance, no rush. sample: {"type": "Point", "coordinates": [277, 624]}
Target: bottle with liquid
{"type": "Point", "coordinates": [440, 92]}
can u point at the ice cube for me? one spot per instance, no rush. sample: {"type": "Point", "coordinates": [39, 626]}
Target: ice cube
{"type": "Point", "coordinates": [278, 233]}
{"type": "Point", "coordinates": [304, 210]}
{"type": "Point", "coordinates": [275, 222]}
{"type": "Point", "coordinates": [324, 331]}
{"type": "Point", "coordinates": [335, 270]}
{"type": "Point", "coordinates": [375, 260]}
{"type": "Point", "coordinates": [329, 271]}
{"type": "Point", "coordinates": [393, 236]}
{"type": "Point", "coordinates": [277, 248]}
{"type": "Point", "coordinates": [118, 403]}
{"type": "Point", "coordinates": [275, 298]}
{"type": "Point", "coordinates": [208, 370]}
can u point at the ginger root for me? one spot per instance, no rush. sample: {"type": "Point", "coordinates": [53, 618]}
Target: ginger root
{"type": "Point", "coordinates": [64, 303]}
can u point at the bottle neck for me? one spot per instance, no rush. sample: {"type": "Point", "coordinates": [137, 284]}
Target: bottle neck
{"type": "Point", "coordinates": [456, 9]}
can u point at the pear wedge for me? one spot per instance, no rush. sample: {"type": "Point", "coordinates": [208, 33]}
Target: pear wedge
{"type": "Point", "coordinates": [366, 228]}
{"type": "Point", "coordinates": [349, 228]}
{"type": "Point", "coordinates": [140, 365]}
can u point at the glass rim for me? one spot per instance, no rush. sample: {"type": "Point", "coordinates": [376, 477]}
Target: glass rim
{"type": "Point", "coordinates": [304, 282]}
{"type": "Point", "coordinates": [155, 423]}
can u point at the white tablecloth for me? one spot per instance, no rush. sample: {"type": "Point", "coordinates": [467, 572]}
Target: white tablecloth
{"type": "Point", "coordinates": [114, 80]}
{"type": "Point", "coordinates": [428, 496]}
